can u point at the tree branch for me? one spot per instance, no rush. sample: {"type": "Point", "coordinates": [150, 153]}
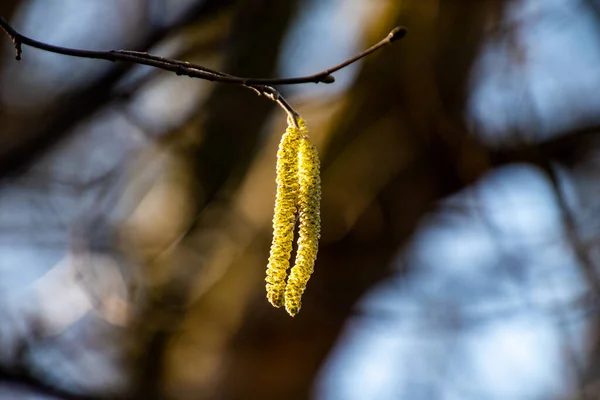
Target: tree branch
{"type": "Point", "coordinates": [22, 379]}
{"type": "Point", "coordinates": [189, 69]}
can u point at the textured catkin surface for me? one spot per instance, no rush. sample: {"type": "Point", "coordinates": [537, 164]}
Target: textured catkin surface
{"type": "Point", "coordinates": [309, 201]}
{"type": "Point", "coordinates": [286, 202]}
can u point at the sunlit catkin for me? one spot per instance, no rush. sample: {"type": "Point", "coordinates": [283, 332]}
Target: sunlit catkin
{"type": "Point", "coordinates": [309, 201]}
{"type": "Point", "coordinates": [286, 202]}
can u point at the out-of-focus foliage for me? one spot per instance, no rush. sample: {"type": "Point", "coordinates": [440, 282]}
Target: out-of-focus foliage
{"type": "Point", "coordinates": [459, 250]}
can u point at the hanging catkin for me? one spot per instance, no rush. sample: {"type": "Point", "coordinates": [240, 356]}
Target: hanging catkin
{"type": "Point", "coordinates": [298, 198]}
{"type": "Point", "coordinates": [284, 217]}
{"type": "Point", "coordinates": [309, 202]}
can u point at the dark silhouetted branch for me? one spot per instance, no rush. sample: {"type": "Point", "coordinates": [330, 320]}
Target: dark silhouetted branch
{"type": "Point", "coordinates": [189, 69]}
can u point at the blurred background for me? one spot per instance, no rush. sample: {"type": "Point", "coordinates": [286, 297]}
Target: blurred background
{"type": "Point", "coordinates": [461, 202]}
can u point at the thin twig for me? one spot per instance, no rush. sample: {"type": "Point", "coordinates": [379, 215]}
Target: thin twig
{"type": "Point", "coordinates": [186, 68]}
{"type": "Point", "coordinates": [273, 94]}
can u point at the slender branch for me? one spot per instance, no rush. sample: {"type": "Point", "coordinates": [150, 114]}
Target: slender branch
{"type": "Point", "coordinates": [189, 69]}
{"type": "Point", "coordinates": [325, 76]}
{"type": "Point", "coordinates": [262, 86]}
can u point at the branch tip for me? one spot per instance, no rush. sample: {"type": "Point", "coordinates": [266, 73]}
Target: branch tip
{"type": "Point", "coordinates": [327, 79]}
{"type": "Point", "coordinates": [397, 33]}
{"type": "Point", "coordinates": [18, 47]}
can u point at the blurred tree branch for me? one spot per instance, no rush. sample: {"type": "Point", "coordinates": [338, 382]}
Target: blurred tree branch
{"type": "Point", "coordinates": [20, 377]}
{"type": "Point", "coordinates": [23, 379]}
{"type": "Point", "coordinates": [36, 135]}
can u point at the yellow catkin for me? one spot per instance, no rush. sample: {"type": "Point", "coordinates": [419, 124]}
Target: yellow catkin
{"type": "Point", "coordinates": [309, 202]}
{"type": "Point", "coordinates": [286, 202]}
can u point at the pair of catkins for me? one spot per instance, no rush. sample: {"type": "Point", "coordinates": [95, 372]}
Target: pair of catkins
{"type": "Point", "coordinates": [297, 202]}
